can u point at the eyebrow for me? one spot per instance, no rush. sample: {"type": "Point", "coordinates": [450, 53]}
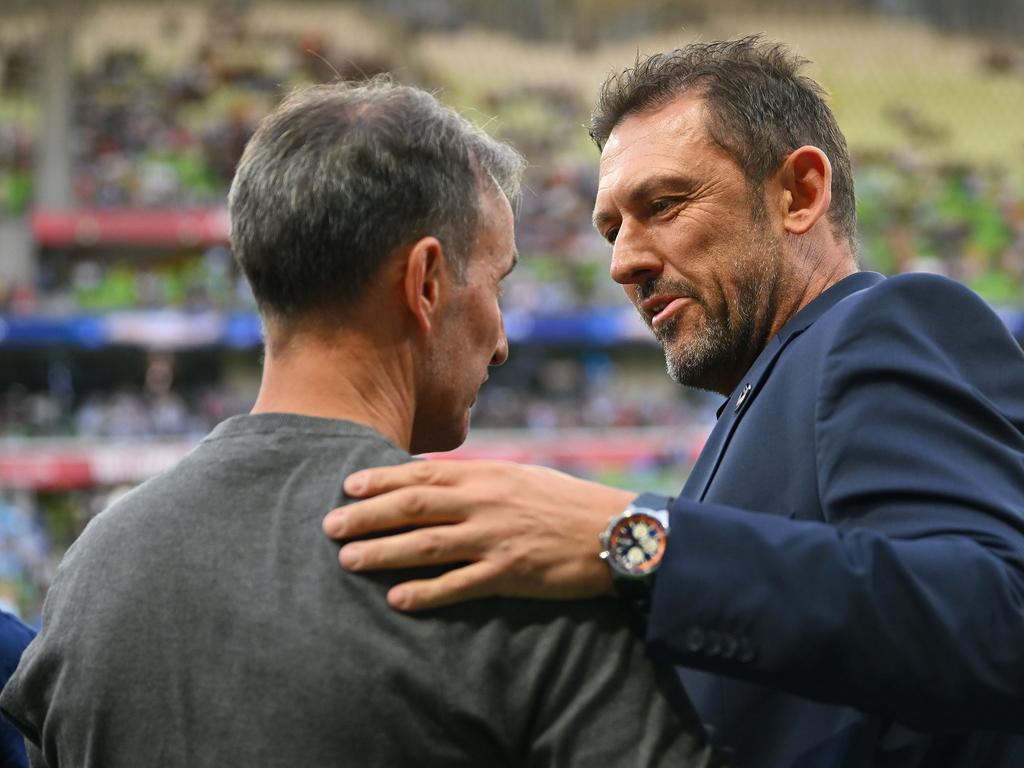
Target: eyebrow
{"type": "Point", "coordinates": [645, 189]}
{"type": "Point", "coordinates": [601, 218]}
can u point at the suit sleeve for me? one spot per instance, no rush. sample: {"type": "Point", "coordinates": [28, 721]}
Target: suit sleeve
{"type": "Point", "coordinates": [907, 599]}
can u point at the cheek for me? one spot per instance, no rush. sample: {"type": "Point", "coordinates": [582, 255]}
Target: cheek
{"type": "Point", "coordinates": [690, 239]}
{"type": "Point", "coordinates": [476, 338]}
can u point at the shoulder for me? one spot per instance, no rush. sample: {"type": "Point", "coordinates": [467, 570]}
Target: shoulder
{"type": "Point", "coordinates": [122, 512]}
{"type": "Point", "coordinates": [133, 530]}
{"type": "Point", "coordinates": [924, 350]}
{"type": "Point", "coordinates": [917, 343]}
{"type": "Point", "coordinates": [914, 316]}
{"type": "Point", "coordinates": [574, 674]}
{"type": "Point", "coordinates": [909, 298]}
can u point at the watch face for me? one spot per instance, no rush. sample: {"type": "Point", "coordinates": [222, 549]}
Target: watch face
{"type": "Point", "coordinates": [637, 543]}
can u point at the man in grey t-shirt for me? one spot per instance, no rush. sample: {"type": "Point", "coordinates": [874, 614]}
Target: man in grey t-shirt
{"type": "Point", "coordinates": [202, 620]}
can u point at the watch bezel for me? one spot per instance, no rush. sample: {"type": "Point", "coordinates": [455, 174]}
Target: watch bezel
{"type": "Point", "coordinates": [658, 519]}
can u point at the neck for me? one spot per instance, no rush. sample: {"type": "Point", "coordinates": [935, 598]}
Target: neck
{"type": "Point", "coordinates": [345, 377]}
{"type": "Point", "coordinates": [818, 270]}
{"type": "Point", "coordinates": [821, 267]}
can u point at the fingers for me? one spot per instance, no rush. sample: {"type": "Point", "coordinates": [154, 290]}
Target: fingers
{"type": "Point", "coordinates": [396, 509]}
{"type": "Point", "coordinates": [525, 531]}
{"type": "Point", "coordinates": [471, 582]}
{"type": "Point", "coordinates": [370, 482]}
{"type": "Point", "coordinates": [439, 545]}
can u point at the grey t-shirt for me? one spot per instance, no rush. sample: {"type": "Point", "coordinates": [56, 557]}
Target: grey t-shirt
{"type": "Point", "coordinates": [203, 620]}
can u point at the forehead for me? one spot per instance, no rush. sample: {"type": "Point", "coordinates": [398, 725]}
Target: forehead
{"type": "Point", "coordinates": [668, 140]}
{"type": "Point", "coordinates": [495, 240]}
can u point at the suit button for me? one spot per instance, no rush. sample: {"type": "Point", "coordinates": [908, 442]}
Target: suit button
{"type": "Point", "coordinates": [714, 644]}
{"type": "Point", "coordinates": [746, 651]}
{"type": "Point", "coordinates": [729, 646]}
{"type": "Point", "coordinates": [694, 639]}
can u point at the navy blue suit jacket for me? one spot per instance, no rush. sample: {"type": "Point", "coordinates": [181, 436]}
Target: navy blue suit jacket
{"type": "Point", "coordinates": [844, 580]}
{"type": "Point", "coordinates": [14, 637]}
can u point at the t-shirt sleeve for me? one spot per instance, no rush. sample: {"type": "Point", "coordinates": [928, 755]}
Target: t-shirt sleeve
{"type": "Point", "coordinates": [602, 701]}
{"type": "Point", "coordinates": [35, 757]}
{"type": "Point", "coordinates": [570, 685]}
{"type": "Point", "coordinates": [25, 700]}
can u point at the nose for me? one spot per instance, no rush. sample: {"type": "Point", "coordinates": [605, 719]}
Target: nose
{"type": "Point", "coordinates": [633, 261]}
{"type": "Point", "coordinates": [501, 348]}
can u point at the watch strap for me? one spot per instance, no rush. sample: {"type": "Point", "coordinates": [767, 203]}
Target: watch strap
{"type": "Point", "coordinates": [656, 504]}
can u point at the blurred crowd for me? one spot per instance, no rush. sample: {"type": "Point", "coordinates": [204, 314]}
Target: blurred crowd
{"type": "Point", "coordinates": [152, 138]}
{"type": "Point", "coordinates": [189, 280]}
{"type": "Point", "coordinates": [121, 413]}
{"type": "Point", "coordinates": [35, 531]}
{"type": "Point", "coordinates": [542, 393]}
{"type": "Point", "coordinates": [25, 552]}
{"type": "Point", "coordinates": [961, 221]}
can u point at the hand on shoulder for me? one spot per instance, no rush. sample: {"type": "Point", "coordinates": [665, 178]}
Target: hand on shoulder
{"type": "Point", "coordinates": [523, 531]}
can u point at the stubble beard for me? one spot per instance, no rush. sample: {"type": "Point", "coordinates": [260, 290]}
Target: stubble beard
{"type": "Point", "coordinates": [728, 337]}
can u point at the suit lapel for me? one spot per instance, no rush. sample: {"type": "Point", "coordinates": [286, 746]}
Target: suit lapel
{"type": "Point", "coordinates": [739, 401]}
{"type": "Point", "coordinates": [728, 417]}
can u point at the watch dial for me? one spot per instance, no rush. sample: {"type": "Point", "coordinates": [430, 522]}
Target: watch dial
{"type": "Point", "coordinates": [638, 543]}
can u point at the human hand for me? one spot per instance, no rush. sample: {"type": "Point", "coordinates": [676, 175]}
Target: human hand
{"type": "Point", "coordinates": [524, 531]}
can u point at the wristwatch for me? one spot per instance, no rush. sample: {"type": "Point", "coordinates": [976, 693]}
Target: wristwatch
{"type": "Point", "coordinates": [634, 544]}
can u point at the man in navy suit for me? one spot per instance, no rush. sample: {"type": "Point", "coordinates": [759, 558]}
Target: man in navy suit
{"type": "Point", "coordinates": [841, 579]}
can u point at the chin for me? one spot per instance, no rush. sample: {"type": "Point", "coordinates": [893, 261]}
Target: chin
{"type": "Point", "coordinates": [438, 438]}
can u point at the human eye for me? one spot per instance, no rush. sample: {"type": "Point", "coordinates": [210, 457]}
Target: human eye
{"type": "Point", "coordinates": [662, 204]}
{"type": "Point", "coordinates": [611, 234]}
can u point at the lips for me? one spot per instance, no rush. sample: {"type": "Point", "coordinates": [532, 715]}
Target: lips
{"type": "Point", "coordinates": [659, 309]}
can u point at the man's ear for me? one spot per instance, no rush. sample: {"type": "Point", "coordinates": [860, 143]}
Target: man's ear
{"type": "Point", "coordinates": [424, 281]}
{"type": "Point", "coordinates": [806, 179]}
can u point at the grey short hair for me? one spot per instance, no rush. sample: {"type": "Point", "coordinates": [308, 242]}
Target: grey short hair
{"type": "Point", "coordinates": [760, 108]}
{"type": "Point", "coordinates": [339, 176]}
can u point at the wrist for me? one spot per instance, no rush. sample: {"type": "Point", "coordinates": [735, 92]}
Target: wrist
{"type": "Point", "coordinates": [633, 545]}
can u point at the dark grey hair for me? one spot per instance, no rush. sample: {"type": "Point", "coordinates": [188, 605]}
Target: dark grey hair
{"type": "Point", "coordinates": [339, 176]}
{"type": "Point", "coordinates": [760, 109]}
